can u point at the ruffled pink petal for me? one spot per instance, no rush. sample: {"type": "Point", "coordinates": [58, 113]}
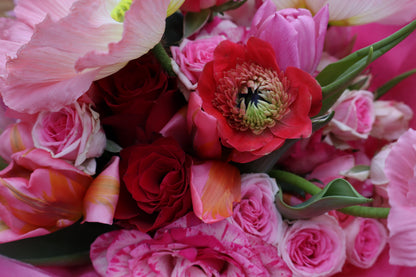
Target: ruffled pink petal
{"type": "Point", "coordinates": [101, 197]}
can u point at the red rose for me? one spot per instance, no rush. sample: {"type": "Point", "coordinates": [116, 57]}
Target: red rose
{"type": "Point", "coordinates": [156, 177]}
{"type": "Point", "coordinates": [136, 101]}
{"type": "Point", "coordinates": [257, 106]}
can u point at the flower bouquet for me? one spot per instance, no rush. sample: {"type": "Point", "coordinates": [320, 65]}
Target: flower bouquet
{"type": "Point", "coordinates": [208, 138]}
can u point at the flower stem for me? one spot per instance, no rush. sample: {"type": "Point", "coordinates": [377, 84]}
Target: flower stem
{"type": "Point", "coordinates": [311, 188]}
{"type": "Point", "coordinates": [164, 59]}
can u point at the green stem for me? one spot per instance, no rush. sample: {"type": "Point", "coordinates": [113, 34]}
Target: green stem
{"type": "Point", "coordinates": [164, 59]}
{"type": "Point", "coordinates": [311, 188]}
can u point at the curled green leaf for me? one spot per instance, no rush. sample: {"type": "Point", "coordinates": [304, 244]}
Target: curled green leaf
{"type": "Point", "coordinates": [338, 194]}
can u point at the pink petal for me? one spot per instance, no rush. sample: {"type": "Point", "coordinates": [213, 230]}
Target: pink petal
{"type": "Point", "coordinates": [15, 138]}
{"type": "Point", "coordinates": [215, 185]}
{"type": "Point", "coordinates": [101, 197]}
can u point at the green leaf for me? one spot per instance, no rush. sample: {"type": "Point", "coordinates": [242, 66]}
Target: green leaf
{"type": "Point", "coordinates": [193, 21]}
{"type": "Point", "coordinates": [230, 5]}
{"type": "Point", "coordinates": [390, 84]}
{"type": "Point", "coordinates": [112, 147]}
{"type": "Point", "coordinates": [337, 76]}
{"type": "Point", "coordinates": [337, 194]}
{"type": "Point", "coordinates": [3, 163]}
{"type": "Point", "coordinates": [68, 246]}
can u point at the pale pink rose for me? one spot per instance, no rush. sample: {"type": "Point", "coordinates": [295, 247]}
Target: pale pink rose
{"type": "Point", "coordinates": [220, 26]}
{"type": "Point", "coordinates": [377, 171]}
{"type": "Point", "coordinates": [73, 133]}
{"type": "Point", "coordinates": [314, 247]}
{"type": "Point", "coordinates": [243, 15]}
{"type": "Point", "coordinates": [187, 247]}
{"type": "Point", "coordinates": [354, 116]}
{"type": "Point", "coordinates": [81, 42]}
{"type": "Point", "coordinates": [256, 212]}
{"type": "Point", "coordinates": [391, 119]}
{"type": "Point", "coordinates": [400, 170]}
{"type": "Point", "coordinates": [296, 37]}
{"type": "Point", "coordinates": [365, 239]}
{"type": "Point", "coordinates": [191, 57]}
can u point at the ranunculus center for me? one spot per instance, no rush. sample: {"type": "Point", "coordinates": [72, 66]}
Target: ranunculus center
{"type": "Point", "coordinates": [252, 97]}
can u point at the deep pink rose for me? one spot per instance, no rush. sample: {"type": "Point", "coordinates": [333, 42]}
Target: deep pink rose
{"type": "Point", "coordinates": [74, 133]}
{"type": "Point", "coordinates": [188, 247]}
{"type": "Point", "coordinates": [156, 177]}
{"type": "Point", "coordinates": [256, 105]}
{"type": "Point", "coordinates": [354, 116]}
{"type": "Point", "coordinates": [137, 101]}
{"type": "Point", "coordinates": [256, 212]}
{"type": "Point", "coordinates": [314, 247]}
{"type": "Point", "coordinates": [297, 38]}
{"type": "Point", "coordinates": [366, 238]}
{"type": "Point", "coordinates": [391, 119]}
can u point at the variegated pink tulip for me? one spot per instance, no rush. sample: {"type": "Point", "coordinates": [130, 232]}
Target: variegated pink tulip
{"type": "Point", "coordinates": [75, 43]}
{"type": "Point", "coordinates": [40, 194]}
{"type": "Point", "coordinates": [215, 186]}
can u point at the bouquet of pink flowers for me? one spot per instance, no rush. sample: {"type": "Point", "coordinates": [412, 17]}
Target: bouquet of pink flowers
{"type": "Point", "coordinates": [208, 138]}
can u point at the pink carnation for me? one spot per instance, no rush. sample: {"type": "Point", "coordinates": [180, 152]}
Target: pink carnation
{"type": "Point", "coordinates": [314, 247]}
{"type": "Point", "coordinates": [256, 212]}
{"type": "Point", "coordinates": [187, 247]}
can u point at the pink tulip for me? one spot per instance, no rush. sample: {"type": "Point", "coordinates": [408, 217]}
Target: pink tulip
{"type": "Point", "coordinates": [215, 186]}
{"type": "Point", "coordinates": [296, 37]}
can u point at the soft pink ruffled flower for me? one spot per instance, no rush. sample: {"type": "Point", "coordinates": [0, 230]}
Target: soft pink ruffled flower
{"type": "Point", "coordinates": [74, 43]}
{"type": "Point", "coordinates": [365, 239]}
{"type": "Point", "coordinates": [354, 116]}
{"type": "Point", "coordinates": [401, 190]}
{"type": "Point", "coordinates": [187, 247]}
{"type": "Point", "coordinates": [296, 37]}
{"type": "Point", "coordinates": [391, 119]}
{"type": "Point", "coordinates": [314, 247]}
{"type": "Point", "coordinates": [256, 212]}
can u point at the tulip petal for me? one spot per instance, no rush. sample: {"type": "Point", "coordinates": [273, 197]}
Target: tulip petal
{"type": "Point", "coordinates": [101, 197]}
{"type": "Point", "coordinates": [215, 185]}
{"type": "Point", "coordinates": [15, 138]}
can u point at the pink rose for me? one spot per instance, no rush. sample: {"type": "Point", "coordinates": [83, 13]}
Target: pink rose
{"type": "Point", "coordinates": [378, 173]}
{"type": "Point", "coordinates": [219, 26]}
{"type": "Point", "coordinates": [297, 38]}
{"type": "Point", "coordinates": [73, 133]}
{"type": "Point", "coordinates": [354, 116]}
{"type": "Point", "coordinates": [256, 212]}
{"type": "Point", "coordinates": [191, 57]}
{"type": "Point", "coordinates": [187, 247]}
{"type": "Point", "coordinates": [314, 247]}
{"type": "Point", "coordinates": [391, 119]}
{"type": "Point", "coordinates": [366, 238]}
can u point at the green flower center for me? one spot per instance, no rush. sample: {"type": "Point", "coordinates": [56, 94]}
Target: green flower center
{"type": "Point", "coordinates": [252, 97]}
{"type": "Point", "coordinates": [122, 7]}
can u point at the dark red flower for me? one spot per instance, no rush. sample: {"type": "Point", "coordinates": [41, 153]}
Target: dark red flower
{"type": "Point", "coordinates": [136, 101]}
{"type": "Point", "coordinates": [157, 178]}
{"type": "Point", "coordinates": [257, 106]}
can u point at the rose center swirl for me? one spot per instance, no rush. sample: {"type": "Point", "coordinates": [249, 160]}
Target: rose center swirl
{"type": "Point", "coordinates": [252, 97]}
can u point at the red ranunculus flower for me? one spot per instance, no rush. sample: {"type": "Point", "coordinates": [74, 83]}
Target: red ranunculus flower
{"type": "Point", "coordinates": [157, 178]}
{"type": "Point", "coordinates": [136, 101]}
{"type": "Point", "coordinates": [257, 106]}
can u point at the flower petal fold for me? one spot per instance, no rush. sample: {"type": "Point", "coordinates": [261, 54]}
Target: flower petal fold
{"type": "Point", "coordinates": [215, 186]}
